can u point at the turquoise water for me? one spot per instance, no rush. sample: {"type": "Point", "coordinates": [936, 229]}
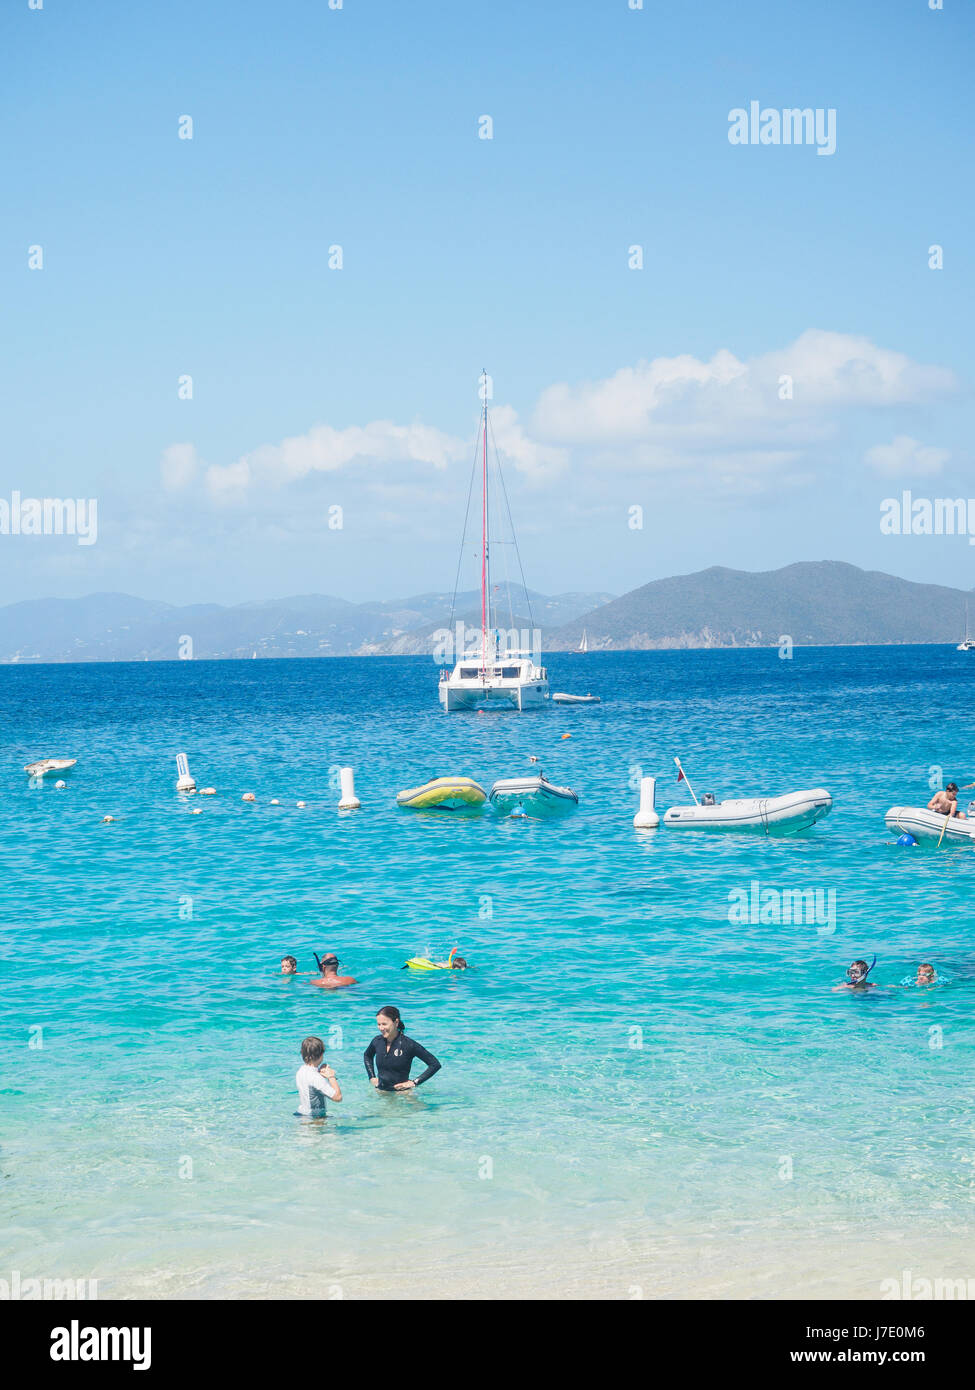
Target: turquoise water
{"type": "Point", "coordinates": [625, 1070]}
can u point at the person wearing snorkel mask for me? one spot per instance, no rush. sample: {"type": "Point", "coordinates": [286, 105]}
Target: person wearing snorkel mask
{"type": "Point", "coordinates": [856, 976]}
{"type": "Point", "coordinates": [330, 977]}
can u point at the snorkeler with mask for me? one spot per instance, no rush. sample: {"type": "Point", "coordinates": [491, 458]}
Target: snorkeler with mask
{"type": "Point", "coordinates": [856, 976]}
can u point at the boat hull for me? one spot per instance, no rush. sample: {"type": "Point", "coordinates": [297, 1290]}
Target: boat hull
{"type": "Point", "coordinates": [560, 699]}
{"type": "Point", "coordinates": [930, 827]}
{"type": "Point", "coordinates": [533, 795]}
{"type": "Point", "coordinates": [761, 815]}
{"type": "Point", "coordinates": [470, 697]}
{"type": "Point", "coordinates": [444, 793]}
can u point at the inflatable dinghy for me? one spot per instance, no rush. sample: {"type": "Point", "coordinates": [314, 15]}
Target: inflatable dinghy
{"type": "Point", "coordinates": [563, 699]}
{"type": "Point", "coordinates": [765, 815]}
{"type": "Point", "coordinates": [533, 795]}
{"type": "Point", "coordinates": [930, 827]}
{"type": "Point", "coordinates": [444, 793]}
{"type": "Point", "coordinates": [46, 765]}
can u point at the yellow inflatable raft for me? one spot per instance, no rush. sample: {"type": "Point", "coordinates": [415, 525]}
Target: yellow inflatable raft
{"type": "Point", "coordinates": [423, 963]}
{"type": "Point", "coordinates": [448, 793]}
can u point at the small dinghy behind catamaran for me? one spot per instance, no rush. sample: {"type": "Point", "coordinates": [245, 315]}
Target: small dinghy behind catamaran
{"type": "Point", "coordinates": [930, 827]}
{"type": "Point", "coordinates": [532, 794]}
{"type": "Point", "coordinates": [764, 815]}
{"type": "Point", "coordinates": [562, 699]}
{"type": "Point", "coordinates": [46, 765]}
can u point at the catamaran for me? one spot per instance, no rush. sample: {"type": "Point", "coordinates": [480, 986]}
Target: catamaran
{"type": "Point", "coordinates": [500, 669]}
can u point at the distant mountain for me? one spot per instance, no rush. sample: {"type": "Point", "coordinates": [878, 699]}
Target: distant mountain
{"type": "Point", "coordinates": [118, 627]}
{"type": "Point", "coordinates": [820, 603]}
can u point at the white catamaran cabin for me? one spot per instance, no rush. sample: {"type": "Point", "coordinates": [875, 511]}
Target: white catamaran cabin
{"type": "Point", "coordinates": [507, 678]}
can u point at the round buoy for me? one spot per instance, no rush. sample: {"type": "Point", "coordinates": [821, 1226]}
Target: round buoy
{"type": "Point", "coordinates": [907, 839]}
{"type": "Point", "coordinates": [275, 801]}
{"type": "Point", "coordinates": [60, 785]}
{"type": "Point", "coordinates": [566, 735]}
{"type": "Point", "coordinates": [207, 791]}
{"type": "Point", "coordinates": [301, 805]}
{"type": "Point", "coordinates": [248, 796]}
{"type": "Point", "coordinates": [196, 811]}
{"type": "Point", "coordinates": [106, 819]}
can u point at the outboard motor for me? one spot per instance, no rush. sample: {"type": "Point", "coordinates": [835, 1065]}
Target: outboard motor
{"type": "Point", "coordinates": [708, 799]}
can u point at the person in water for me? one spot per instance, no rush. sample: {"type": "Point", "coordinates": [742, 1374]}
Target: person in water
{"type": "Point", "coordinates": [391, 1054]}
{"type": "Point", "coordinates": [453, 962]}
{"type": "Point", "coordinates": [925, 975]}
{"type": "Point", "coordinates": [289, 966]}
{"type": "Point", "coordinates": [856, 975]}
{"type": "Point", "coordinates": [330, 977]}
{"type": "Point", "coordinates": [946, 802]}
{"type": "Point", "coordinates": [316, 1081]}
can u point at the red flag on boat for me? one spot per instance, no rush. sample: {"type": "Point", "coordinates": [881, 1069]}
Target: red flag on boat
{"type": "Point", "coordinates": [680, 775]}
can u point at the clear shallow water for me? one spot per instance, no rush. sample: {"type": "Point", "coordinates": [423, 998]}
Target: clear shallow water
{"type": "Point", "coordinates": [170, 1037]}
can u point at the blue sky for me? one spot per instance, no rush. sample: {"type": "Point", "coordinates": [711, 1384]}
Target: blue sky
{"type": "Point", "coordinates": [613, 387]}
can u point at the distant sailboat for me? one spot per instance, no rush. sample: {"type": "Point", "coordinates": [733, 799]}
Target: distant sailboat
{"type": "Point", "coordinates": [584, 643]}
{"type": "Point", "coordinates": [969, 643]}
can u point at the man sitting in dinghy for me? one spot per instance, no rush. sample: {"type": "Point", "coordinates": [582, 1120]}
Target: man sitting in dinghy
{"type": "Point", "coordinates": [946, 802]}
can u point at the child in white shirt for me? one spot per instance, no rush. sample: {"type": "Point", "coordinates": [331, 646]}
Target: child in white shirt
{"type": "Point", "coordinates": [315, 1080]}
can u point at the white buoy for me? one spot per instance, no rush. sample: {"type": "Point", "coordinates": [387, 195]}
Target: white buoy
{"type": "Point", "coordinates": [349, 801]}
{"type": "Point", "coordinates": [184, 782]}
{"type": "Point", "coordinates": [647, 818]}
{"type": "Point", "coordinates": [60, 785]}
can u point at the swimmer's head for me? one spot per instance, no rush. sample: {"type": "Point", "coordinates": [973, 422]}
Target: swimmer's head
{"type": "Point", "coordinates": [952, 790]}
{"type": "Point", "coordinates": [312, 1051]}
{"type": "Point", "coordinates": [458, 963]}
{"type": "Point", "coordinates": [925, 974]}
{"type": "Point", "coordinates": [858, 972]}
{"type": "Point", "coordinates": [328, 962]}
{"type": "Point", "coordinates": [389, 1021]}
{"type": "Point", "coordinates": [289, 966]}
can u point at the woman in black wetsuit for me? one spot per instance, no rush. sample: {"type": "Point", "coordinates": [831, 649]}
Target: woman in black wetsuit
{"type": "Point", "coordinates": [391, 1054]}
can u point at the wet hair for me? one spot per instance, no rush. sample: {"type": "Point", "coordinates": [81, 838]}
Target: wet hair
{"type": "Point", "coordinates": [951, 787]}
{"type": "Point", "coordinates": [458, 963]}
{"type": "Point", "coordinates": [926, 965]}
{"type": "Point", "coordinates": [391, 1012]}
{"type": "Point", "coordinates": [289, 960]}
{"type": "Point", "coordinates": [312, 1050]}
{"type": "Point", "coordinates": [861, 963]}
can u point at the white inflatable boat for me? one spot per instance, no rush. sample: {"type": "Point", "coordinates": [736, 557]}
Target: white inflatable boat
{"type": "Point", "coordinates": [46, 765]}
{"type": "Point", "coordinates": [766, 815]}
{"type": "Point", "coordinates": [533, 795]}
{"type": "Point", "coordinates": [930, 827]}
{"type": "Point", "coordinates": [560, 698]}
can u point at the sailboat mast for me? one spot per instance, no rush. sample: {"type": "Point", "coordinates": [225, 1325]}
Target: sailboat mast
{"type": "Point", "coordinates": [484, 533]}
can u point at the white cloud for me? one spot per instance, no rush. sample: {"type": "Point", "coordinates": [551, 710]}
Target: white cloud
{"type": "Point", "coordinates": [178, 466]}
{"type": "Point", "coordinates": [540, 462]}
{"type": "Point", "coordinates": [723, 421]}
{"type": "Point", "coordinates": [327, 450]}
{"type": "Point", "coordinates": [905, 455]}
